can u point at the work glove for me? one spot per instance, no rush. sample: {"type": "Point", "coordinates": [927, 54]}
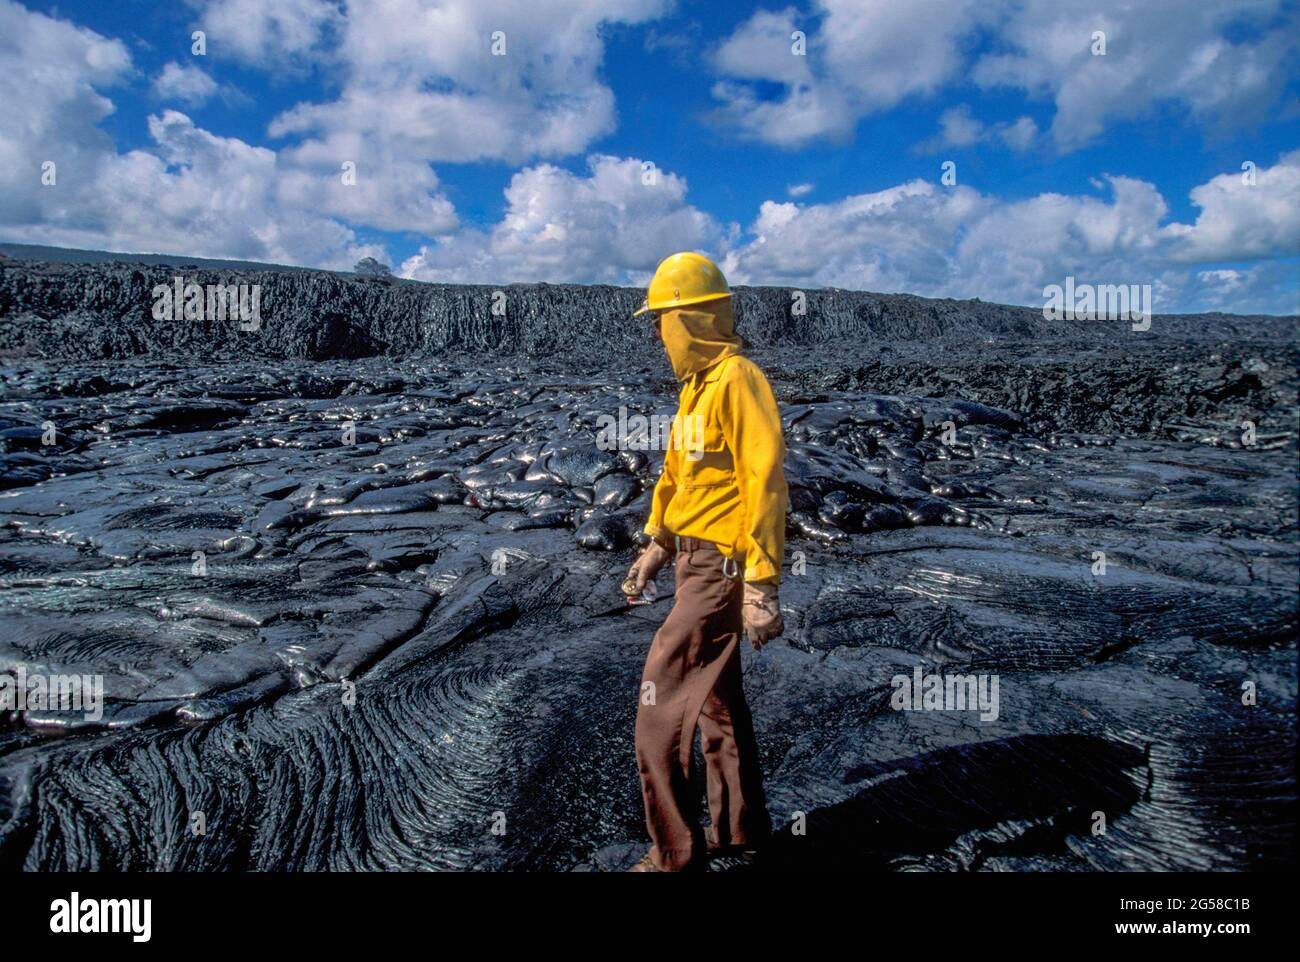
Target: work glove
{"type": "Point", "coordinates": [644, 569]}
{"type": "Point", "coordinates": [761, 614]}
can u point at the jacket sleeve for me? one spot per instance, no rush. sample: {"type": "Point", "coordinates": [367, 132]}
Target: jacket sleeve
{"type": "Point", "coordinates": [751, 425]}
{"type": "Point", "coordinates": [665, 488]}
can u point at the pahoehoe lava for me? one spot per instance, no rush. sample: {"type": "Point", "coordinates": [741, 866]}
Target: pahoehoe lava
{"type": "Point", "coordinates": [351, 579]}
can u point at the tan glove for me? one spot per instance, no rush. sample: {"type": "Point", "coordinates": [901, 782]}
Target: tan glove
{"type": "Point", "coordinates": [644, 569]}
{"type": "Point", "coordinates": [761, 613]}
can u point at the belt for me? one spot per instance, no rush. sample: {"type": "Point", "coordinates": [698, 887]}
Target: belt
{"type": "Point", "coordinates": [730, 567]}
{"type": "Point", "coordinates": [693, 544]}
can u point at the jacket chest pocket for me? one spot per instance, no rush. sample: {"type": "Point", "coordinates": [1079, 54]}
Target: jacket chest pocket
{"type": "Point", "coordinates": [706, 459]}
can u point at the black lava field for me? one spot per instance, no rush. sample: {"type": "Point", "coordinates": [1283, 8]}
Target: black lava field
{"type": "Point", "coordinates": [351, 579]}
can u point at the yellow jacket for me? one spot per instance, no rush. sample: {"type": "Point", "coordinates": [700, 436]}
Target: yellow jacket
{"type": "Point", "coordinates": [723, 478]}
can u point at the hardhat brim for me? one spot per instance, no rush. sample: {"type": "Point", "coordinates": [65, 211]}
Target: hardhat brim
{"type": "Point", "coordinates": [647, 307]}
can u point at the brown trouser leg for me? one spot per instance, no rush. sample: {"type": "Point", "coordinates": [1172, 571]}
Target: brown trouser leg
{"type": "Point", "coordinates": [735, 781]}
{"type": "Point", "coordinates": [694, 667]}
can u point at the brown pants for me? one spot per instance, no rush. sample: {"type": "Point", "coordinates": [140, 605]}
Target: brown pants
{"type": "Point", "coordinates": [694, 668]}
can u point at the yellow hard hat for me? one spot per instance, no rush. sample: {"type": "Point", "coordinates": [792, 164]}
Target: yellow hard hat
{"type": "Point", "coordinates": [685, 278]}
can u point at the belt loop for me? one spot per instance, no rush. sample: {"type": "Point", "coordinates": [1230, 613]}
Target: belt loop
{"type": "Point", "coordinates": [735, 568]}
{"type": "Point", "coordinates": [677, 544]}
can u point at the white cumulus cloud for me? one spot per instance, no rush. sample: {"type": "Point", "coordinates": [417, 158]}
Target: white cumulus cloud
{"type": "Point", "coordinates": [959, 128]}
{"type": "Point", "coordinates": [923, 238]}
{"type": "Point", "coordinates": [189, 192]}
{"type": "Point", "coordinates": [260, 32]}
{"type": "Point", "coordinates": [421, 79]}
{"type": "Point", "coordinates": [612, 226]}
{"type": "Point", "coordinates": [1219, 61]}
{"type": "Point", "coordinates": [1244, 217]}
{"type": "Point", "coordinates": [190, 85]}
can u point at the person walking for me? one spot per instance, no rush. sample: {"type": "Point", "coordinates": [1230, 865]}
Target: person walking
{"type": "Point", "coordinates": [718, 511]}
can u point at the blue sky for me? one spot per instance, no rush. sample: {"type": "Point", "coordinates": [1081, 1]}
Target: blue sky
{"type": "Point", "coordinates": [808, 167]}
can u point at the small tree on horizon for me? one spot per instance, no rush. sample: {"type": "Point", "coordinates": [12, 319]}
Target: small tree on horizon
{"type": "Point", "coordinates": [369, 267]}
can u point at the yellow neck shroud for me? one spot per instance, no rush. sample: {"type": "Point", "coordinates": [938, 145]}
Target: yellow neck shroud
{"type": "Point", "coordinates": [698, 336]}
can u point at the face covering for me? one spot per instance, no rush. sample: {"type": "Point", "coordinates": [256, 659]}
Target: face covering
{"type": "Point", "coordinates": [698, 336]}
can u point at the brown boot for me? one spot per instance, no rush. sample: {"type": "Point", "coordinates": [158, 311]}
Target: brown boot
{"type": "Point", "coordinates": [748, 851]}
{"type": "Point", "coordinates": [647, 864]}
